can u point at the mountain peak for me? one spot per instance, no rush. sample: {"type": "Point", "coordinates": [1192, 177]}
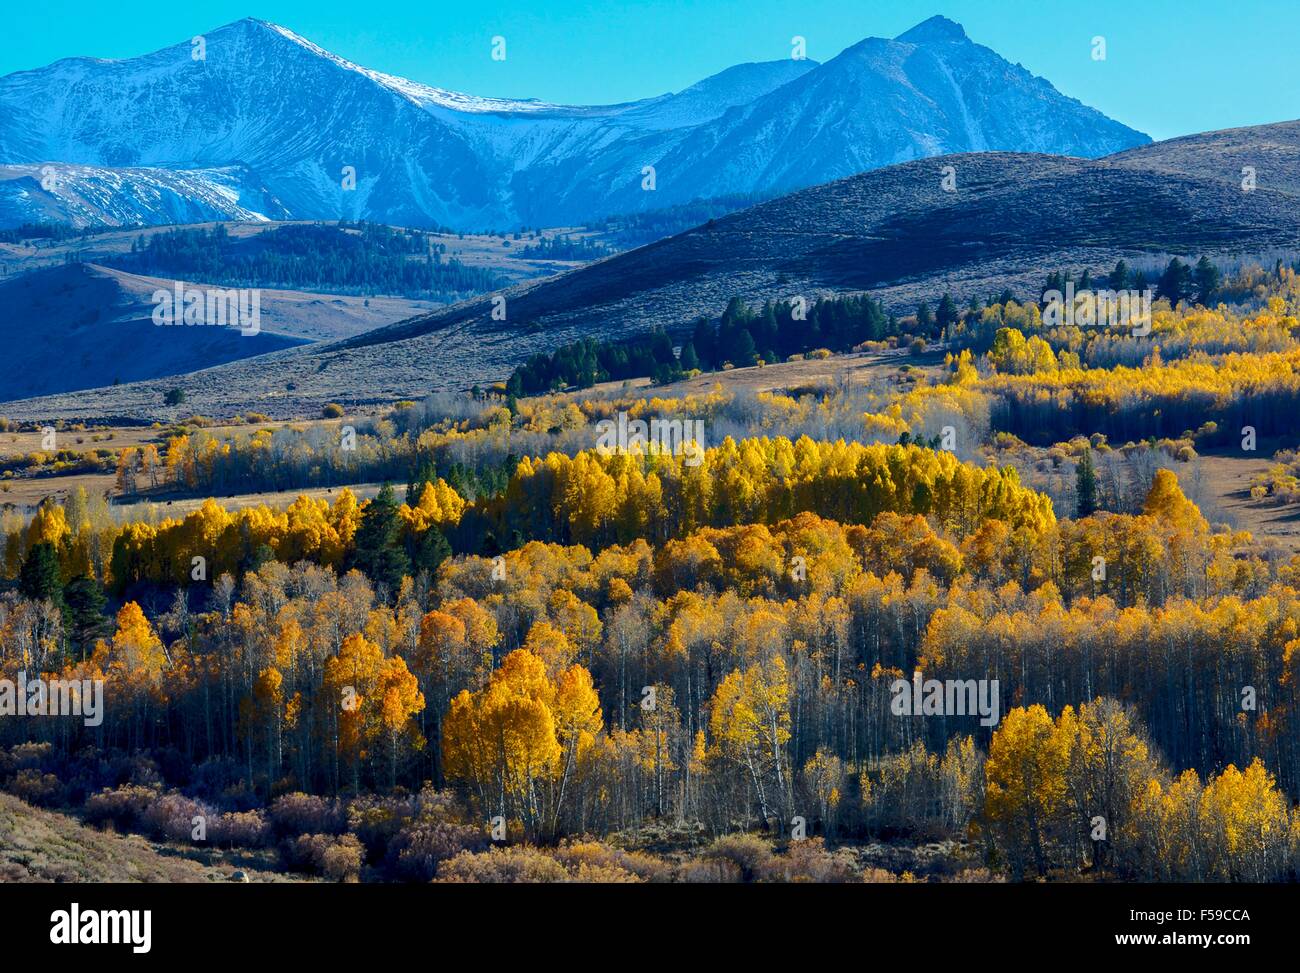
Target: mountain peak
{"type": "Point", "coordinates": [937, 28]}
{"type": "Point", "coordinates": [247, 25]}
{"type": "Point", "coordinates": [291, 114]}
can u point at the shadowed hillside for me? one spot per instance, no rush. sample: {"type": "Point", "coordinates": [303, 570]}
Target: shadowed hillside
{"type": "Point", "coordinates": [79, 326]}
{"type": "Point", "coordinates": [1011, 219]}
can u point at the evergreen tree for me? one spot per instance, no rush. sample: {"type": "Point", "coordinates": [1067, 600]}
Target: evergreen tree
{"type": "Point", "coordinates": [1176, 282]}
{"type": "Point", "coordinates": [765, 330]}
{"type": "Point", "coordinates": [1086, 480]}
{"type": "Point", "coordinates": [1206, 277]}
{"type": "Point", "coordinates": [661, 348]}
{"type": "Point", "coordinates": [256, 559]}
{"type": "Point", "coordinates": [736, 313]}
{"type": "Point", "coordinates": [743, 350]}
{"type": "Point", "coordinates": [946, 315]}
{"type": "Point", "coordinates": [1118, 278]}
{"type": "Point", "coordinates": [924, 320]}
{"type": "Point", "coordinates": [40, 578]}
{"type": "Point", "coordinates": [425, 472]}
{"type": "Point", "coordinates": [702, 340]}
{"type": "Point", "coordinates": [690, 360]}
{"type": "Point", "coordinates": [430, 551]}
{"type": "Point", "coordinates": [83, 613]}
{"type": "Point", "coordinates": [379, 553]}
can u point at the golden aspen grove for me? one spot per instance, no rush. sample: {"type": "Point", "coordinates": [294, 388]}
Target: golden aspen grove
{"type": "Point", "coordinates": [942, 608]}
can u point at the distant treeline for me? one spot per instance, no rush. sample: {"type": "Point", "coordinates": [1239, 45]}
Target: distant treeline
{"type": "Point", "coordinates": [48, 231]}
{"type": "Point", "coordinates": [637, 229]}
{"type": "Point", "coordinates": [588, 361]}
{"type": "Point", "coordinates": [565, 248]}
{"type": "Point", "coordinates": [358, 258]}
{"type": "Point", "coordinates": [741, 337]}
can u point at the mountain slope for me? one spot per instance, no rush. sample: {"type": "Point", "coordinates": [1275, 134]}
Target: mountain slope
{"type": "Point", "coordinates": [1013, 219]}
{"type": "Point", "coordinates": [1270, 152]}
{"type": "Point", "coordinates": [80, 326]}
{"type": "Point", "coordinates": [98, 196]}
{"type": "Point", "coordinates": [282, 118]}
{"type": "Point", "coordinates": [45, 846]}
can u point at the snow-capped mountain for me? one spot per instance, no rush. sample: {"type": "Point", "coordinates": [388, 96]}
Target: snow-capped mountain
{"type": "Point", "coordinates": [267, 125]}
{"type": "Point", "coordinates": [99, 196]}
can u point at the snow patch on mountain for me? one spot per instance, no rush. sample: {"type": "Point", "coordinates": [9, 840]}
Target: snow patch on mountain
{"type": "Point", "coordinates": [97, 196]}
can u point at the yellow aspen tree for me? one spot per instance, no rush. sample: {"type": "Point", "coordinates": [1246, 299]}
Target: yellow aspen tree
{"type": "Point", "coordinates": [749, 724]}
{"type": "Point", "coordinates": [502, 739]}
{"type": "Point", "coordinates": [1025, 783]}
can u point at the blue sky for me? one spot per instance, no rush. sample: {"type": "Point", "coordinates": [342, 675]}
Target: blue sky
{"type": "Point", "coordinates": [1171, 68]}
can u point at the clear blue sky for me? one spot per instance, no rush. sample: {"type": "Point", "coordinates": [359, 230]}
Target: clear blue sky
{"type": "Point", "coordinates": [1172, 67]}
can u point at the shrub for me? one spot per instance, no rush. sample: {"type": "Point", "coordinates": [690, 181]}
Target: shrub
{"type": "Point", "coordinates": [417, 851]}
{"type": "Point", "coordinates": [332, 410]}
{"type": "Point", "coordinates": [241, 829]}
{"type": "Point", "coordinates": [708, 871]}
{"type": "Point", "coordinates": [503, 866]}
{"type": "Point", "coordinates": [748, 852]}
{"type": "Point", "coordinates": [32, 786]}
{"type": "Point", "coordinates": [592, 858]}
{"type": "Point", "coordinates": [377, 820]}
{"type": "Point", "coordinates": [807, 861]}
{"type": "Point", "coordinates": [432, 804]}
{"type": "Point", "coordinates": [123, 808]}
{"type": "Point", "coordinates": [215, 776]}
{"type": "Point", "coordinates": [171, 817]}
{"type": "Point", "coordinates": [337, 858]}
{"type": "Point", "coordinates": [25, 756]}
{"type": "Point", "coordinates": [341, 860]}
{"type": "Point", "coordinates": [975, 876]}
{"type": "Point", "coordinates": [297, 813]}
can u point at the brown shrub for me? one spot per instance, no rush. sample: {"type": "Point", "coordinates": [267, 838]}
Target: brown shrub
{"type": "Point", "coordinates": [748, 852]}
{"type": "Point", "coordinates": [418, 849]}
{"type": "Point", "coordinates": [44, 790]}
{"type": "Point", "coordinates": [29, 756]}
{"type": "Point", "coordinates": [123, 808]}
{"type": "Point", "coordinates": [376, 821]}
{"type": "Point", "coordinates": [708, 871]}
{"type": "Point", "coordinates": [298, 813]}
{"type": "Point", "coordinates": [171, 817]}
{"type": "Point", "coordinates": [337, 858]}
{"type": "Point", "coordinates": [241, 829]}
{"type": "Point", "coordinates": [597, 858]}
{"type": "Point", "coordinates": [341, 861]}
{"type": "Point", "coordinates": [807, 861]}
{"type": "Point", "coordinates": [503, 865]}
